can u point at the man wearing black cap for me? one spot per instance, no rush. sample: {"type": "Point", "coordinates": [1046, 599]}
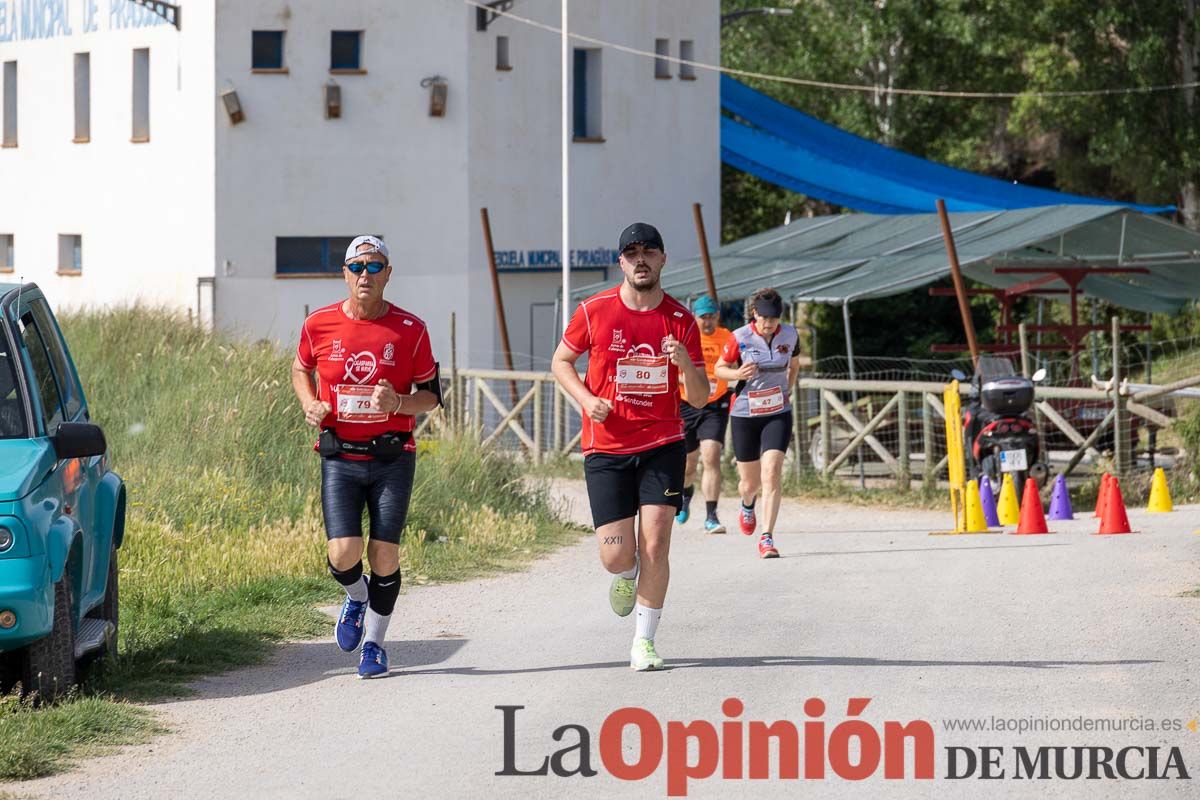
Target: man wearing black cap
{"type": "Point", "coordinates": [640, 344]}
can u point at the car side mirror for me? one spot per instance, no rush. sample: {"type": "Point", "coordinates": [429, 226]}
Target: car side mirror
{"type": "Point", "coordinates": [1040, 375]}
{"type": "Point", "coordinates": [79, 440]}
{"type": "Point", "coordinates": [958, 375]}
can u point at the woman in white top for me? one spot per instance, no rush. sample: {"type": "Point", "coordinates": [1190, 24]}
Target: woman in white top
{"type": "Point", "coordinates": [762, 360]}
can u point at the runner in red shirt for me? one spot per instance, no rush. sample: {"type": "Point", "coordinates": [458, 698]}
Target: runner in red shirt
{"type": "Point", "coordinates": [640, 341]}
{"type": "Point", "coordinates": [369, 356]}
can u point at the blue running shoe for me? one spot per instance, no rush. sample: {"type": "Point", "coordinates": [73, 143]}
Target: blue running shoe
{"type": "Point", "coordinates": [684, 510]}
{"type": "Point", "coordinates": [349, 629]}
{"type": "Point", "coordinates": [713, 526]}
{"type": "Point", "coordinates": [374, 661]}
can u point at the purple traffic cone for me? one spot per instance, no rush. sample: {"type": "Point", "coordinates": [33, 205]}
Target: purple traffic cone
{"type": "Point", "coordinates": [987, 499]}
{"type": "Point", "coordinates": [1060, 500]}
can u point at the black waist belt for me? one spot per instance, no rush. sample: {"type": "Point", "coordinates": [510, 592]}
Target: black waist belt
{"type": "Point", "coordinates": [385, 445]}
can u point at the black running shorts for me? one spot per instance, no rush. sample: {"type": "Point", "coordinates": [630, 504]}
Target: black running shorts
{"type": "Point", "coordinates": [383, 487]}
{"type": "Point", "coordinates": [704, 423]}
{"type": "Point", "coordinates": [618, 485]}
{"type": "Point", "coordinates": [753, 436]}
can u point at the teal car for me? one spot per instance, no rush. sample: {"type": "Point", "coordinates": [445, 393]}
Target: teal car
{"type": "Point", "coordinates": [62, 510]}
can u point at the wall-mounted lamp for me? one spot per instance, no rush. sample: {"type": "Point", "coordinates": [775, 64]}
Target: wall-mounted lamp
{"type": "Point", "coordinates": [333, 101]}
{"type": "Point", "coordinates": [233, 106]}
{"type": "Point", "coordinates": [438, 89]}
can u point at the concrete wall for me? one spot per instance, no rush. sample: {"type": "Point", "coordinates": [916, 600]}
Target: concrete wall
{"type": "Point", "coordinates": [661, 150]}
{"type": "Point", "coordinates": [144, 210]}
{"type": "Point", "coordinates": [384, 167]}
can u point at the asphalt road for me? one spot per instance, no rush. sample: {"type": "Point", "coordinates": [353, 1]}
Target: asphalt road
{"type": "Point", "coordinates": [864, 604]}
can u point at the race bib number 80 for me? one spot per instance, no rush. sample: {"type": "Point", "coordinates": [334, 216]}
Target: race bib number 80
{"type": "Point", "coordinates": [642, 375]}
{"type": "Point", "coordinates": [354, 404]}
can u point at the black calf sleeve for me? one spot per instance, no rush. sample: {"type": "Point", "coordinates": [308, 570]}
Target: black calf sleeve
{"type": "Point", "coordinates": [382, 591]}
{"type": "Point", "coordinates": [349, 577]}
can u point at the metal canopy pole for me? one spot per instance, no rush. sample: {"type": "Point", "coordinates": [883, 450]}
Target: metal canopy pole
{"type": "Point", "coordinates": [702, 237]}
{"type": "Point", "coordinates": [566, 174]}
{"type": "Point", "coordinates": [960, 289]}
{"type": "Point", "coordinates": [862, 476]}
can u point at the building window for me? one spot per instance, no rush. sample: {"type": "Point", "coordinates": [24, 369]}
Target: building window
{"type": "Point", "coordinates": [141, 95]}
{"type": "Point", "coordinates": [70, 253]}
{"type": "Point", "coordinates": [586, 107]}
{"type": "Point", "coordinates": [266, 51]}
{"type": "Point", "coordinates": [502, 62]}
{"type": "Point", "coordinates": [662, 67]}
{"type": "Point", "coordinates": [7, 258]}
{"type": "Point", "coordinates": [687, 52]}
{"type": "Point", "coordinates": [345, 51]}
{"type": "Point", "coordinates": [10, 104]}
{"type": "Point", "coordinates": [310, 255]}
{"type": "Point", "coordinates": [83, 97]}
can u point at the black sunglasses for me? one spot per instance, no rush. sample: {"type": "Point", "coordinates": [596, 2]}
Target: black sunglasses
{"type": "Point", "coordinates": [372, 267]}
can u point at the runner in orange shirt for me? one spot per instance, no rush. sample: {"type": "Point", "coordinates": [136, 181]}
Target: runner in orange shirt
{"type": "Point", "coordinates": [704, 428]}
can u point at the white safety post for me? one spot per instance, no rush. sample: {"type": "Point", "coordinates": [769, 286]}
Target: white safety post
{"type": "Point", "coordinates": [566, 173]}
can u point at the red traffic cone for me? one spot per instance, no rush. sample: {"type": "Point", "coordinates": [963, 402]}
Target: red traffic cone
{"type": "Point", "coordinates": [1100, 498]}
{"type": "Point", "coordinates": [1033, 520]}
{"type": "Point", "coordinates": [1115, 520]}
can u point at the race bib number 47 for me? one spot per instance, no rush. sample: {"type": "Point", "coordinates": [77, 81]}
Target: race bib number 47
{"type": "Point", "coordinates": [354, 404]}
{"type": "Point", "coordinates": [765, 401]}
{"type": "Point", "coordinates": [642, 375]}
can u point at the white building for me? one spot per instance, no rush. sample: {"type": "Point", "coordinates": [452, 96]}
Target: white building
{"type": "Point", "coordinates": [123, 173]}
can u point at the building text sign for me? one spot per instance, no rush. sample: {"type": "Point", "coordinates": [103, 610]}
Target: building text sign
{"type": "Point", "coordinates": [552, 259]}
{"type": "Point", "coordinates": [30, 20]}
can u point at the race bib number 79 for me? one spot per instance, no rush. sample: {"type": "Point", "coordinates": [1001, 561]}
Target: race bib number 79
{"type": "Point", "coordinates": [354, 404]}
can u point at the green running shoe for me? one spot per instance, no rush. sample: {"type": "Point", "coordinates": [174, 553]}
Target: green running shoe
{"type": "Point", "coordinates": [642, 657]}
{"type": "Point", "coordinates": [621, 595]}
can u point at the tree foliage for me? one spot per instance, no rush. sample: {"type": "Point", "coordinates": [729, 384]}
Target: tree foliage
{"type": "Point", "coordinates": [1142, 147]}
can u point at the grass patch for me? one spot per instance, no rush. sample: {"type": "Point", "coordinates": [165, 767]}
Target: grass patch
{"type": "Point", "coordinates": [40, 741]}
{"type": "Point", "coordinates": [224, 551]}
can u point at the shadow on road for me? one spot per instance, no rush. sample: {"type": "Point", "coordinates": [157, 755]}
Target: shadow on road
{"type": "Point", "coordinates": [784, 661]}
{"type": "Point", "coordinates": [303, 663]}
{"type": "Point", "coordinates": [928, 549]}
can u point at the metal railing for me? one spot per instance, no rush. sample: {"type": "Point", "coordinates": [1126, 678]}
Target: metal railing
{"type": "Point", "coordinates": [893, 429]}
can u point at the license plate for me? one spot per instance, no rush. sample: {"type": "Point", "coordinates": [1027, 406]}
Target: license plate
{"type": "Point", "coordinates": [1013, 461]}
{"type": "Point", "coordinates": [1093, 412]}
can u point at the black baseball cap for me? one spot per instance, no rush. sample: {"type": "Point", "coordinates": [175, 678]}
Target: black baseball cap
{"type": "Point", "coordinates": [641, 233]}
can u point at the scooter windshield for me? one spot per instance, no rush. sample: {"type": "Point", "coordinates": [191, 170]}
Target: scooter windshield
{"type": "Point", "coordinates": [994, 367]}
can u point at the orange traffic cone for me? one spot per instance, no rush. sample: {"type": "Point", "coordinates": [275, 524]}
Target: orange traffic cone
{"type": "Point", "coordinates": [1115, 520]}
{"type": "Point", "coordinates": [1033, 519]}
{"type": "Point", "coordinates": [1100, 498]}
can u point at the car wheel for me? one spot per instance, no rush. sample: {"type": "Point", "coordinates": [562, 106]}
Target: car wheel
{"type": "Point", "coordinates": [49, 663]}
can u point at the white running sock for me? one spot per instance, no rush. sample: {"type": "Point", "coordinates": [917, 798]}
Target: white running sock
{"type": "Point", "coordinates": [358, 591]}
{"type": "Point", "coordinates": [629, 574]}
{"type": "Point", "coordinates": [377, 625]}
{"type": "Point", "coordinates": [647, 621]}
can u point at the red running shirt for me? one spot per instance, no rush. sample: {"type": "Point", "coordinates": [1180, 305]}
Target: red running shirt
{"type": "Point", "coordinates": [627, 367]}
{"type": "Point", "coordinates": [351, 356]}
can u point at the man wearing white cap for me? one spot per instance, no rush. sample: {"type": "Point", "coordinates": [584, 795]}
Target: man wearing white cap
{"type": "Point", "coordinates": [374, 372]}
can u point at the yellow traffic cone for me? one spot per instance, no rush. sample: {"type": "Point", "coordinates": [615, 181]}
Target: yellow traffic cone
{"type": "Point", "coordinates": [1008, 509]}
{"type": "Point", "coordinates": [976, 523]}
{"type": "Point", "coordinates": [1160, 495]}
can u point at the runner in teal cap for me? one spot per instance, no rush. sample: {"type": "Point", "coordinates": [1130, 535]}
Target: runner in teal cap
{"type": "Point", "coordinates": [704, 428]}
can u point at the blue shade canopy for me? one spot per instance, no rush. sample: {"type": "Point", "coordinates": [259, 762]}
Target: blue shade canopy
{"type": "Point", "coordinates": [789, 148]}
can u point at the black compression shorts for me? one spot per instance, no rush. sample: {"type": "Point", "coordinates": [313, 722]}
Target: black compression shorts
{"type": "Point", "coordinates": [618, 485]}
{"type": "Point", "coordinates": [708, 422]}
{"type": "Point", "coordinates": [384, 487]}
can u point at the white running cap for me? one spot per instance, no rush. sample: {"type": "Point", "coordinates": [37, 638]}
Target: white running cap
{"type": "Point", "coordinates": [376, 246]}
